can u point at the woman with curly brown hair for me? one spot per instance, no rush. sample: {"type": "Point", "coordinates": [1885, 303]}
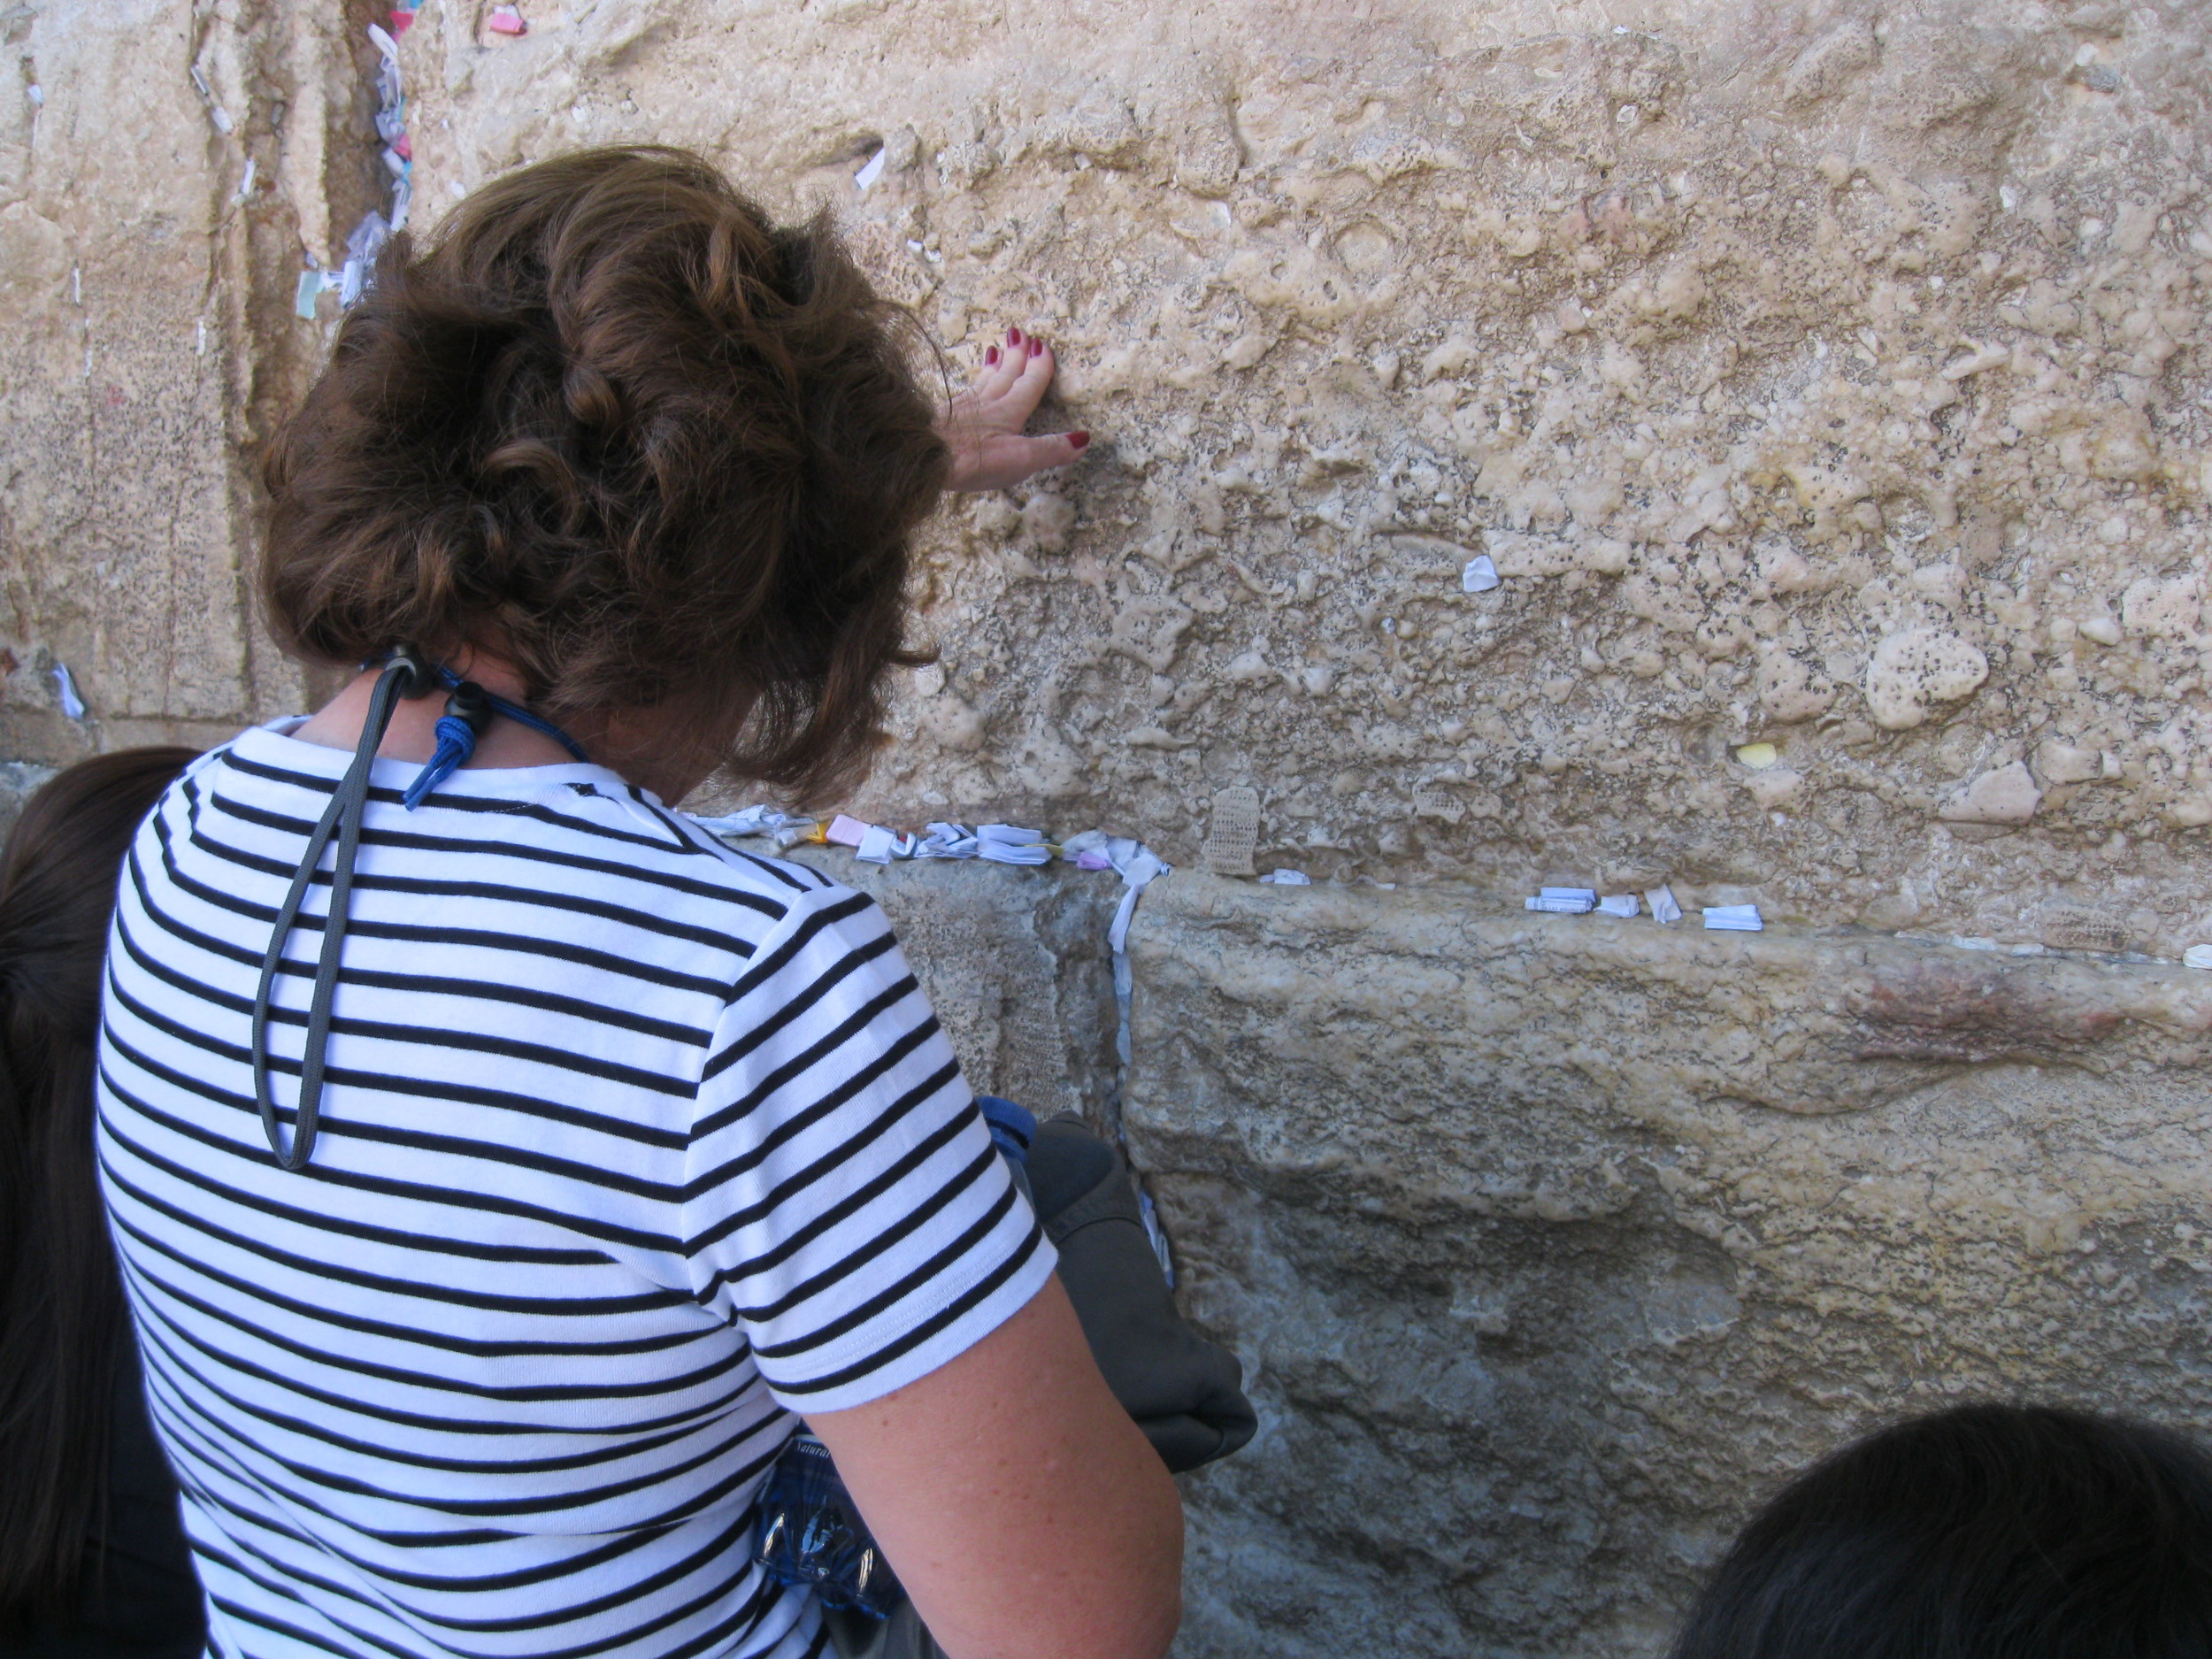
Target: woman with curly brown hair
{"type": "Point", "coordinates": [495, 1196]}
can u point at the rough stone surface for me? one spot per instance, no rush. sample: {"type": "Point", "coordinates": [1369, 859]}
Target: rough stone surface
{"type": "Point", "coordinates": [138, 356]}
{"type": "Point", "coordinates": [1759, 344]}
{"type": "Point", "coordinates": [19, 781]}
{"type": "Point", "coordinates": [1826, 385]}
{"type": "Point", "coordinates": [1752, 342]}
{"type": "Point", "coordinates": [1550, 1243]}
{"type": "Point", "coordinates": [1016, 964]}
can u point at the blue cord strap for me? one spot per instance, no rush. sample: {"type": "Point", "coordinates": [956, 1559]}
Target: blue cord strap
{"type": "Point", "coordinates": [519, 715]}
{"type": "Point", "coordinates": [456, 742]}
{"type": "Point", "coordinates": [468, 711]}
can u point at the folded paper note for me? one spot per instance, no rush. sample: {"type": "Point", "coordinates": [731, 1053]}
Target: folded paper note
{"type": "Point", "coordinates": [1565, 901]}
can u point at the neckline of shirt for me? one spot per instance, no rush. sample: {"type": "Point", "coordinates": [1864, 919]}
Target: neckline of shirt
{"type": "Point", "coordinates": [272, 744]}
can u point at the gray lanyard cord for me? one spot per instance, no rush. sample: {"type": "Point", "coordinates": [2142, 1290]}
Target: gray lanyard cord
{"type": "Point", "coordinates": [403, 676]}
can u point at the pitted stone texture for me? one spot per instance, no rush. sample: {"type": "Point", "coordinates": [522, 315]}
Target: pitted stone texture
{"type": "Point", "coordinates": [1551, 1244]}
{"type": "Point", "coordinates": [1014, 963]}
{"type": "Point", "coordinates": [1748, 340]}
{"type": "Point", "coordinates": [143, 294]}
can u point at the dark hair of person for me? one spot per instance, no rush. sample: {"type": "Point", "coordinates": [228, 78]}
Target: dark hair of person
{"type": "Point", "coordinates": [616, 425]}
{"type": "Point", "coordinates": [1985, 1531]}
{"type": "Point", "coordinates": [61, 1308]}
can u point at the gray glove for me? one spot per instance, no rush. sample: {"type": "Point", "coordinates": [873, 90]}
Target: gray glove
{"type": "Point", "coordinates": [1185, 1393]}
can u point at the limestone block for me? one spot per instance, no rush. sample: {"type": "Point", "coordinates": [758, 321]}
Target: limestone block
{"type": "Point", "coordinates": [120, 542]}
{"type": "Point", "coordinates": [1551, 1243]}
{"type": "Point", "coordinates": [128, 363]}
{"type": "Point", "coordinates": [2005, 795]}
{"type": "Point", "coordinates": [1915, 668]}
{"type": "Point", "coordinates": [1741, 332]}
{"type": "Point", "coordinates": [1995, 372]}
{"type": "Point", "coordinates": [1014, 961]}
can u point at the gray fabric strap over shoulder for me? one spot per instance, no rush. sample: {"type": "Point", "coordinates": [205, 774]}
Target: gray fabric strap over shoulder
{"type": "Point", "coordinates": [404, 675]}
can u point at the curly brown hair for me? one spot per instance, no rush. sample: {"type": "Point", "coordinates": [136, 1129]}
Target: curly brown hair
{"type": "Point", "coordinates": [618, 428]}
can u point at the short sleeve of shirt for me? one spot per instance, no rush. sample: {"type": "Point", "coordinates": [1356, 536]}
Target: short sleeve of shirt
{"type": "Point", "coordinates": [843, 1200]}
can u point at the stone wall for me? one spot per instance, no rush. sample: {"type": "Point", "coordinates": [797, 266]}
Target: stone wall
{"type": "Point", "coordinates": [1826, 384]}
{"type": "Point", "coordinates": [1819, 376]}
{"type": "Point", "coordinates": [1550, 1244]}
{"type": "Point", "coordinates": [144, 280]}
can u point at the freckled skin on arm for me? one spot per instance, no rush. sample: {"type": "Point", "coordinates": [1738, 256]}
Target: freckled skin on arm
{"type": "Point", "coordinates": [1026, 1514]}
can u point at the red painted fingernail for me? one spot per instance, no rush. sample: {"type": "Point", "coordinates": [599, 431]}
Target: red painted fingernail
{"type": "Point", "coordinates": [1013, 336]}
{"type": "Point", "coordinates": [1078, 440]}
{"type": "Point", "coordinates": [1036, 347]}
{"type": "Point", "coordinates": [990, 357]}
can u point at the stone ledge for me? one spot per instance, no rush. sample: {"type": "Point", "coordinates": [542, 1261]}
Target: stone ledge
{"type": "Point", "coordinates": [1799, 1021]}
{"type": "Point", "coordinates": [1550, 1244]}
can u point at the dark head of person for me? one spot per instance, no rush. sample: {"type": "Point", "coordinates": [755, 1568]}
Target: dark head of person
{"type": "Point", "coordinates": [66, 1371]}
{"type": "Point", "coordinates": [1985, 1531]}
{"type": "Point", "coordinates": [615, 428]}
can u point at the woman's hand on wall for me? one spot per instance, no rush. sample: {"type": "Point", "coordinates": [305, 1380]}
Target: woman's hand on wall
{"type": "Point", "coordinates": [984, 426]}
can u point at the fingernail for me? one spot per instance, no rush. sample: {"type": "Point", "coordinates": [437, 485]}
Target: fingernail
{"type": "Point", "coordinates": [1013, 336]}
{"type": "Point", "coordinates": [1036, 347]}
{"type": "Point", "coordinates": [1078, 440]}
{"type": "Point", "coordinates": [990, 357]}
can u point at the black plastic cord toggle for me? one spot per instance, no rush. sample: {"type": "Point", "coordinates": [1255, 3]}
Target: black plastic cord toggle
{"type": "Point", "coordinates": [470, 702]}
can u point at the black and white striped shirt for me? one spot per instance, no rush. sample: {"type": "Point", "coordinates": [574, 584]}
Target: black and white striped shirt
{"type": "Point", "coordinates": [631, 1143]}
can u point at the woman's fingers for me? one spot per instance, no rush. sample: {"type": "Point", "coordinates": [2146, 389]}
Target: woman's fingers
{"type": "Point", "coordinates": [1002, 460]}
{"type": "Point", "coordinates": [1037, 365]}
{"type": "Point", "coordinates": [1057, 450]}
{"type": "Point", "coordinates": [984, 426]}
{"type": "Point", "coordinates": [1016, 364]}
{"type": "Point", "coordinates": [1002, 366]}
